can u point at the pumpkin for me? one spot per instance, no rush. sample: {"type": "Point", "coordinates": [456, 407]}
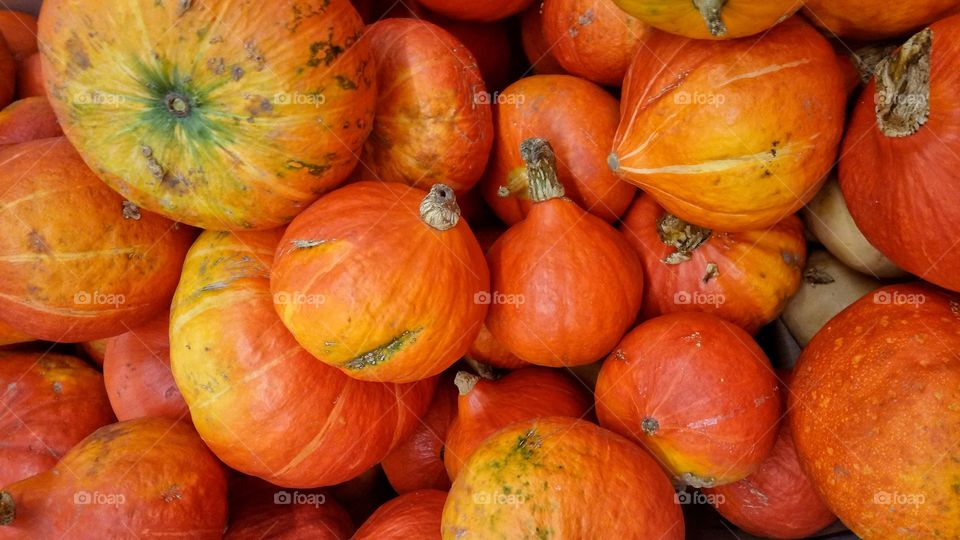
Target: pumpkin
{"type": "Point", "coordinates": [766, 113]}
{"type": "Point", "coordinates": [869, 20]}
{"type": "Point", "coordinates": [265, 406]}
{"type": "Point", "coordinates": [593, 39]}
{"type": "Point", "coordinates": [387, 323]}
{"type": "Point", "coordinates": [745, 277]}
{"type": "Point", "coordinates": [489, 10]}
{"type": "Point", "coordinates": [259, 510]}
{"type": "Point", "coordinates": [697, 392]}
{"type": "Point", "coordinates": [28, 119]}
{"type": "Point", "coordinates": [50, 402]}
{"type": "Point", "coordinates": [411, 515]}
{"type": "Point", "coordinates": [77, 262]}
{"type": "Point", "coordinates": [417, 462]}
{"type": "Point", "coordinates": [136, 372]}
{"type": "Point", "coordinates": [8, 74]}
{"type": "Point", "coordinates": [30, 77]}
{"type": "Point", "coordinates": [874, 413]}
{"type": "Point", "coordinates": [140, 478]}
{"type": "Point", "coordinates": [95, 350]}
{"type": "Point", "coordinates": [711, 19]}
{"type": "Point", "coordinates": [579, 119]}
{"type": "Point", "coordinates": [535, 45]}
{"type": "Point", "coordinates": [546, 305]}
{"type": "Point", "coordinates": [898, 167]}
{"type": "Point", "coordinates": [432, 87]}
{"type": "Point", "coordinates": [11, 336]}
{"type": "Point", "coordinates": [232, 122]}
{"type": "Point", "coordinates": [364, 493]}
{"type": "Point", "coordinates": [532, 479]}
{"type": "Point", "coordinates": [19, 30]}
{"type": "Point", "coordinates": [777, 501]}
{"type": "Point", "coordinates": [490, 45]}
{"type": "Point", "coordinates": [486, 406]}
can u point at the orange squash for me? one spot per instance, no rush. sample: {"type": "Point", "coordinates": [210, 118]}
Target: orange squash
{"type": "Point", "coordinates": [259, 510]}
{"type": "Point", "coordinates": [28, 119]}
{"type": "Point", "coordinates": [490, 45]}
{"type": "Point", "coordinates": [11, 336]}
{"type": "Point", "coordinates": [95, 350]}
{"type": "Point", "coordinates": [412, 515]}
{"type": "Point", "coordinates": [30, 77]}
{"type": "Point", "coordinates": [488, 10]}
{"type": "Point", "coordinates": [535, 45]}
{"type": "Point", "coordinates": [8, 74]}
{"type": "Point", "coordinates": [869, 20]}
{"type": "Point", "coordinates": [19, 30]}
{"type": "Point", "coordinates": [711, 19]}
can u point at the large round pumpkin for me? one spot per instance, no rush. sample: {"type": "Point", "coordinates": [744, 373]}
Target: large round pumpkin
{"type": "Point", "coordinates": [28, 119]}
{"type": "Point", "coordinates": [221, 114]}
{"type": "Point", "coordinates": [50, 402]}
{"type": "Point", "coordinates": [149, 477]}
{"type": "Point", "coordinates": [875, 413]}
{"type": "Point", "coordinates": [262, 403]}
{"type": "Point", "coordinates": [711, 19]}
{"type": "Point", "coordinates": [697, 392]}
{"type": "Point", "coordinates": [899, 166]}
{"type": "Point", "coordinates": [746, 277]}
{"type": "Point", "coordinates": [487, 10]}
{"type": "Point", "coordinates": [872, 20]}
{"type": "Point", "coordinates": [77, 262]}
{"type": "Point", "coordinates": [732, 135]}
{"type": "Point", "coordinates": [536, 479]}
{"type": "Point", "coordinates": [382, 281]}
{"type": "Point", "coordinates": [414, 515]}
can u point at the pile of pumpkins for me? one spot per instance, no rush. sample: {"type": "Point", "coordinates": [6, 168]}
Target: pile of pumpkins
{"type": "Point", "coordinates": [515, 258]}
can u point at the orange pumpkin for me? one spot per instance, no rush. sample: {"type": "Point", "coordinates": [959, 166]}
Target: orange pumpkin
{"type": "Point", "coordinates": [490, 45]}
{"type": "Point", "coordinates": [412, 515]}
{"type": "Point", "coordinates": [19, 30]}
{"type": "Point", "coordinates": [746, 277]}
{"type": "Point", "coordinates": [488, 10]}
{"type": "Point", "coordinates": [28, 119]}
{"type": "Point", "coordinates": [871, 20]}
{"type": "Point", "coordinates": [30, 77]}
{"type": "Point", "coordinates": [259, 510]}
{"type": "Point", "coordinates": [8, 74]}
{"type": "Point", "coordinates": [232, 121]}
{"type": "Point", "coordinates": [377, 322]}
{"type": "Point", "coordinates": [95, 350]}
{"type": "Point", "coordinates": [711, 19]}
{"type": "Point", "coordinates": [262, 403]}
{"type": "Point", "coordinates": [697, 392]}
{"type": "Point", "coordinates": [534, 478]}
{"type": "Point", "coordinates": [11, 336]}
{"type": "Point", "coordinates": [766, 113]}
{"type": "Point", "coordinates": [77, 262]}
{"type": "Point", "coordinates": [535, 45]}
{"type": "Point", "coordinates": [546, 306]}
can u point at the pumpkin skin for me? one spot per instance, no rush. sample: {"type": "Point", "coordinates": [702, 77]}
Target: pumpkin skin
{"type": "Point", "coordinates": [266, 407]}
{"type": "Point", "coordinates": [19, 30]}
{"type": "Point", "coordinates": [28, 119]}
{"type": "Point", "coordinates": [490, 45]}
{"type": "Point", "coordinates": [697, 392]}
{"type": "Point", "coordinates": [566, 462]}
{"type": "Point", "coordinates": [11, 336]}
{"type": "Point", "coordinates": [757, 159]}
{"type": "Point", "coordinates": [50, 403]}
{"type": "Point", "coordinates": [8, 74]}
{"type": "Point", "coordinates": [372, 321]}
{"type": "Point", "coordinates": [535, 45]}
{"type": "Point", "coordinates": [489, 10]}
{"type": "Point", "coordinates": [30, 77]}
{"type": "Point", "coordinates": [746, 278]}
{"type": "Point", "coordinates": [68, 237]}
{"type": "Point", "coordinates": [259, 510]}
{"type": "Point", "coordinates": [867, 20]}
{"type": "Point", "coordinates": [168, 481]}
{"type": "Point", "coordinates": [484, 407]}
{"type": "Point", "coordinates": [873, 402]}
{"type": "Point", "coordinates": [593, 39]}
{"type": "Point", "coordinates": [95, 350]}
{"type": "Point", "coordinates": [136, 372]}
{"type": "Point", "coordinates": [736, 18]}
{"type": "Point", "coordinates": [778, 500]}
{"type": "Point", "coordinates": [579, 119]}
{"type": "Point", "coordinates": [898, 175]}
{"type": "Point", "coordinates": [235, 123]}
{"type": "Point", "coordinates": [412, 515]}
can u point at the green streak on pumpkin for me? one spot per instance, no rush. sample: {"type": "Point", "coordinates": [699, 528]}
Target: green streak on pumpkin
{"type": "Point", "coordinates": [384, 352]}
{"type": "Point", "coordinates": [345, 83]}
{"type": "Point", "coordinates": [312, 168]}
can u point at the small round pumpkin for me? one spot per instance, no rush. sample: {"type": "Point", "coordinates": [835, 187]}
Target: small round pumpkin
{"type": "Point", "coordinates": [535, 45]}
{"type": "Point", "coordinates": [746, 277]}
{"type": "Point", "coordinates": [548, 306]}
{"type": "Point", "coordinates": [711, 19]}
{"type": "Point", "coordinates": [30, 77]}
{"type": "Point", "coordinates": [868, 20]}
{"type": "Point", "coordinates": [766, 114]}
{"type": "Point", "coordinates": [28, 119]}
{"type": "Point", "coordinates": [397, 322]}
{"type": "Point", "coordinates": [411, 515]}
{"type": "Point", "coordinates": [259, 510]}
{"type": "Point", "coordinates": [488, 10]}
{"type": "Point", "coordinates": [697, 392]}
{"type": "Point", "coordinates": [77, 262]}
{"type": "Point", "coordinates": [19, 30]}
{"type": "Point", "coordinates": [532, 479]}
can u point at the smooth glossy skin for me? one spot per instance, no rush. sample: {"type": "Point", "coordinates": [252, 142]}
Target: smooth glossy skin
{"type": "Point", "coordinates": [561, 478]}
{"type": "Point", "coordinates": [430, 85]}
{"type": "Point", "coordinates": [746, 277]}
{"type": "Point", "coordinates": [49, 403]}
{"type": "Point", "coordinates": [11, 336]}
{"type": "Point", "coordinates": [579, 119]}
{"type": "Point", "coordinates": [490, 44]}
{"type": "Point", "coordinates": [262, 403]}
{"type": "Point", "coordinates": [236, 114]}
{"type": "Point", "coordinates": [870, 20]}
{"type": "Point", "coordinates": [28, 119]}
{"type": "Point", "coordinates": [19, 30]}
{"type": "Point", "coordinates": [488, 10]}
{"type": "Point", "coordinates": [535, 45]}
{"type": "Point", "coordinates": [741, 17]}
{"type": "Point", "coordinates": [368, 287]}
{"type": "Point", "coordinates": [409, 516]}
{"type": "Point", "coordinates": [72, 267]}
{"type": "Point", "coordinates": [873, 410]}
{"type": "Point", "coordinates": [169, 483]}
{"type": "Point", "coordinates": [732, 135]}
{"type": "Point", "coordinates": [255, 514]}
{"type": "Point", "coordinates": [697, 392]}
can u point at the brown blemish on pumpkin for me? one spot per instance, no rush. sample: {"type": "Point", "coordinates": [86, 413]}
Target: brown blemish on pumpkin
{"type": "Point", "coordinates": [130, 211]}
{"type": "Point", "coordinates": [696, 338]}
{"type": "Point", "coordinates": [237, 73]}
{"type": "Point", "coordinates": [183, 6]}
{"type": "Point", "coordinates": [345, 83]}
{"type": "Point", "coordinates": [37, 243]}
{"type": "Point", "coordinates": [684, 237]}
{"type": "Point", "coordinates": [385, 352]}
{"type": "Point", "coordinates": [57, 387]}
{"type": "Point", "coordinates": [255, 55]}
{"type": "Point", "coordinates": [650, 426]}
{"type": "Point", "coordinates": [216, 65]}
{"type": "Point", "coordinates": [78, 55]}
{"type": "Point", "coordinates": [713, 271]}
{"type": "Point", "coordinates": [817, 276]}
{"type": "Point", "coordinates": [299, 15]}
{"type": "Point", "coordinates": [324, 52]}
{"type": "Point", "coordinates": [172, 493]}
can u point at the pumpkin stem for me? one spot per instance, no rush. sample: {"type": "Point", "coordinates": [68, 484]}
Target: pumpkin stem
{"type": "Point", "coordinates": [486, 371]}
{"type": "Point", "coordinates": [682, 236]}
{"type": "Point", "coordinates": [868, 58]}
{"type": "Point", "coordinates": [710, 11]}
{"type": "Point", "coordinates": [465, 382]}
{"type": "Point", "coordinates": [541, 170]}
{"type": "Point", "coordinates": [8, 510]}
{"type": "Point", "coordinates": [903, 87]}
{"type": "Point", "coordinates": [439, 209]}
{"type": "Point", "coordinates": [516, 183]}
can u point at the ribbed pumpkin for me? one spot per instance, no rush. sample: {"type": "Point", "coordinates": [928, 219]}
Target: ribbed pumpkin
{"type": "Point", "coordinates": [28, 119]}
{"type": "Point", "coordinates": [77, 262]}
{"type": "Point", "coordinates": [871, 20]}
{"type": "Point", "coordinates": [535, 45]}
{"type": "Point", "coordinates": [547, 307]}
{"type": "Point", "coordinates": [234, 115]}
{"type": "Point", "coordinates": [484, 407]}
{"type": "Point", "coordinates": [746, 277]}
{"type": "Point", "coordinates": [534, 479]}
{"type": "Point", "coordinates": [149, 477]}
{"type": "Point", "coordinates": [766, 114]}
{"type": "Point", "coordinates": [488, 10]}
{"type": "Point", "coordinates": [49, 403]}
{"type": "Point", "coordinates": [262, 403]}
{"type": "Point", "coordinates": [711, 19]}
{"type": "Point", "coordinates": [259, 510]}
{"type": "Point", "coordinates": [397, 321]}
{"type": "Point", "coordinates": [414, 515]}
